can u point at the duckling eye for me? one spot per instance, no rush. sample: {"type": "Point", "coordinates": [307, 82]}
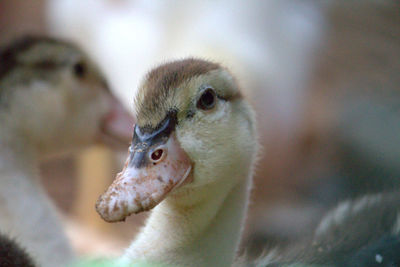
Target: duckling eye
{"type": "Point", "coordinates": [79, 69]}
{"type": "Point", "coordinates": [207, 99]}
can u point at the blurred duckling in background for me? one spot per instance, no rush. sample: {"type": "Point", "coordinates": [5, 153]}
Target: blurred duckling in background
{"type": "Point", "coordinates": [53, 99]}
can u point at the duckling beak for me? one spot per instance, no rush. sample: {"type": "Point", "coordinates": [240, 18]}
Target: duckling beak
{"type": "Point", "coordinates": [156, 166]}
{"type": "Point", "coordinates": [116, 125]}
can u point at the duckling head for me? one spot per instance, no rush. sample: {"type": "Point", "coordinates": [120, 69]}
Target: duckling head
{"type": "Point", "coordinates": [55, 98]}
{"type": "Point", "coordinates": [193, 130]}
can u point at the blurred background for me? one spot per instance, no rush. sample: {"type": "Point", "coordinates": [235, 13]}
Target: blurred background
{"type": "Point", "coordinates": [323, 76]}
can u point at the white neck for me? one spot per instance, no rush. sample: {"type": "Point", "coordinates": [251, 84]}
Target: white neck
{"type": "Point", "coordinates": [27, 213]}
{"type": "Point", "coordinates": [201, 233]}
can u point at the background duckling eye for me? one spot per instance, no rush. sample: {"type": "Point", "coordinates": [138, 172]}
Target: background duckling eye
{"type": "Point", "coordinates": [207, 99]}
{"type": "Point", "coordinates": [79, 69]}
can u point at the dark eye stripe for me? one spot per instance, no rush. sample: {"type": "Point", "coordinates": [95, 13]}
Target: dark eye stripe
{"type": "Point", "coordinates": [9, 53]}
{"type": "Point", "coordinates": [46, 65]}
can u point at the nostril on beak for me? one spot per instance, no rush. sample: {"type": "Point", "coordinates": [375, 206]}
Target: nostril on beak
{"type": "Point", "coordinates": [157, 155]}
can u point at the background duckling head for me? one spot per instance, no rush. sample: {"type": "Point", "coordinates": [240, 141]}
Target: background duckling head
{"type": "Point", "coordinates": [54, 98]}
{"type": "Point", "coordinates": [193, 129]}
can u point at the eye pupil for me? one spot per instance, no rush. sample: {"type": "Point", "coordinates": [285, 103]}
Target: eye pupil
{"type": "Point", "coordinates": [207, 99]}
{"type": "Point", "coordinates": [156, 155]}
{"type": "Point", "coordinates": [79, 69]}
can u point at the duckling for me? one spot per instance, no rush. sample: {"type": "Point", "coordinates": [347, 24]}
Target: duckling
{"type": "Point", "coordinates": [191, 161]}
{"type": "Point", "coordinates": [53, 99]}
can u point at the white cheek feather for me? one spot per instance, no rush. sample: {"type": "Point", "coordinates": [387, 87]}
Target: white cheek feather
{"type": "Point", "coordinates": [219, 115]}
{"type": "Point", "coordinates": [207, 122]}
{"type": "Point", "coordinates": [191, 142]}
{"type": "Point", "coordinates": [24, 102]}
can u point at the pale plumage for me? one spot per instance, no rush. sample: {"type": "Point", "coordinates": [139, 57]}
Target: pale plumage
{"type": "Point", "coordinates": [198, 105]}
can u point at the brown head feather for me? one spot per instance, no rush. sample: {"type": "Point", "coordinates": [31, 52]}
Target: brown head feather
{"type": "Point", "coordinates": [170, 75]}
{"type": "Point", "coordinates": [9, 54]}
{"type": "Point", "coordinates": [32, 58]}
{"type": "Point", "coordinates": [161, 81]}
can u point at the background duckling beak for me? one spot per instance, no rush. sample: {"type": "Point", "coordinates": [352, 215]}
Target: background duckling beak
{"type": "Point", "coordinates": [156, 165]}
{"type": "Point", "coordinates": [116, 125]}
